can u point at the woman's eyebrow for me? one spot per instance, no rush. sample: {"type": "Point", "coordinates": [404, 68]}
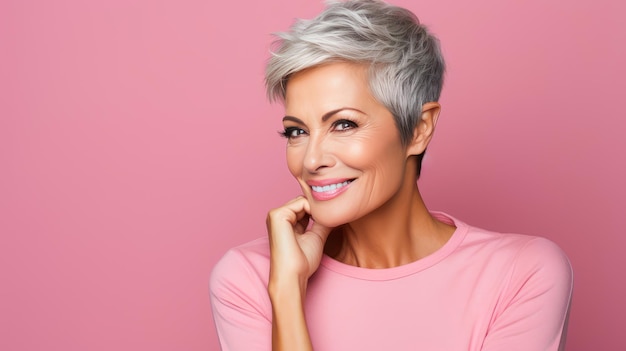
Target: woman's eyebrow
{"type": "Point", "coordinates": [325, 117]}
{"type": "Point", "coordinates": [293, 119]}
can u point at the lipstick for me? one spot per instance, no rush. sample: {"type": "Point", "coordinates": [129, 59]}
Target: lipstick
{"type": "Point", "coordinates": [328, 189]}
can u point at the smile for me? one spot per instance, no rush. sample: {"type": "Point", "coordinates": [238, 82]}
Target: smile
{"type": "Point", "coordinates": [322, 192]}
{"type": "Point", "coordinates": [331, 187]}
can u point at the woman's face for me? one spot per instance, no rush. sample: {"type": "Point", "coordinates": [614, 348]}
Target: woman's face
{"type": "Point", "coordinates": [343, 146]}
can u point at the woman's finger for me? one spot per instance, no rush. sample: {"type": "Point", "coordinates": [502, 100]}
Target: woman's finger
{"type": "Point", "coordinates": [302, 224]}
{"type": "Point", "coordinates": [282, 221]}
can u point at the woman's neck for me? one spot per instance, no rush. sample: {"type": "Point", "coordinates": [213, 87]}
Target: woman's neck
{"type": "Point", "coordinates": [399, 232]}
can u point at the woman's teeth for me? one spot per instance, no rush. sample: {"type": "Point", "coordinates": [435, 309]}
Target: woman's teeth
{"type": "Point", "coordinates": [331, 187]}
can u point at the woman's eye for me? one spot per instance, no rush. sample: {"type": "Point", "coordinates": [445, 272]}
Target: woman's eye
{"type": "Point", "coordinates": [344, 124]}
{"type": "Point", "coordinates": [292, 132]}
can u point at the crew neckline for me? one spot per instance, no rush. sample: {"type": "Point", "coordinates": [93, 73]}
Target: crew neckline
{"type": "Point", "coordinates": [406, 269]}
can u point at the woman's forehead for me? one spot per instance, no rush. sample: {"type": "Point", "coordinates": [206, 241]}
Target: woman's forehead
{"type": "Point", "coordinates": [329, 87]}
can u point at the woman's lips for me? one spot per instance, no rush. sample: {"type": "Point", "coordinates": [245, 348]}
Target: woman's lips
{"type": "Point", "coordinates": [328, 188]}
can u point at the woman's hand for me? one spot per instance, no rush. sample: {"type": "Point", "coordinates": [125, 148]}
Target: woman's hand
{"type": "Point", "coordinates": [295, 254]}
{"type": "Point", "coordinates": [296, 250]}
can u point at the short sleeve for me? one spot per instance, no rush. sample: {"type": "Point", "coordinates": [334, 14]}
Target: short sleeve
{"type": "Point", "coordinates": [240, 304]}
{"type": "Point", "coordinates": [533, 310]}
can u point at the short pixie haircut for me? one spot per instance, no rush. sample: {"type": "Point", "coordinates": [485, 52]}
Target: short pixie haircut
{"type": "Point", "coordinates": [406, 67]}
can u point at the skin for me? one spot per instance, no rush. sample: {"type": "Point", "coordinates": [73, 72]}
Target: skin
{"type": "Point", "coordinates": [337, 130]}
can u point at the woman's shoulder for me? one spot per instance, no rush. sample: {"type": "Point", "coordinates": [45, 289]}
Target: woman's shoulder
{"type": "Point", "coordinates": [244, 268]}
{"type": "Point", "coordinates": [252, 251]}
{"type": "Point", "coordinates": [517, 246]}
{"type": "Point", "coordinates": [540, 257]}
{"type": "Point", "coordinates": [523, 256]}
{"type": "Point", "coordinates": [245, 258]}
{"type": "Point", "coordinates": [238, 294]}
{"type": "Point", "coordinates": [472, 238]}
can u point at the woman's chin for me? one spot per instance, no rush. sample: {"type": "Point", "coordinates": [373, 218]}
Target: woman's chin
{"type": "Point", "coordinates": [329, 220]}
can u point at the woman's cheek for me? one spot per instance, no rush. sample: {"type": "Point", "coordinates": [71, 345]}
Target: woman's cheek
{"type": "Point", "coordinates": [294, 161]}
{"type": "Point", "coordinates": [353, 152]}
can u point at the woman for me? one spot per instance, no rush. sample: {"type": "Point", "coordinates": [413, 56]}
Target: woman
{"type": "Point", "coordinates": [357, 262]}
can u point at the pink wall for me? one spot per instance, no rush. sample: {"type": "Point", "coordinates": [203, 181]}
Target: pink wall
{"type": "Point", "coordinates": [136, 146]}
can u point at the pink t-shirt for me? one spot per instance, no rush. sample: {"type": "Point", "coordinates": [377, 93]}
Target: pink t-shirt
{"type": "Point", "coordinates": [480, 291]}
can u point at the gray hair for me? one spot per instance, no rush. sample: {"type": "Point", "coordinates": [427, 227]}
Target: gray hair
{"type": "Point", "coordinates": [406, 66]}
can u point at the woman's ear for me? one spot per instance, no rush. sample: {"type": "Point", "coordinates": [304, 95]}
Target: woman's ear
{"type": "Point", "coordinates": [424, 129]}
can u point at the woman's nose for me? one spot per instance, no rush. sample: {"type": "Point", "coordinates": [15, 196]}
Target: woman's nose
{"type": "Point", "coordinates": [317, 155]}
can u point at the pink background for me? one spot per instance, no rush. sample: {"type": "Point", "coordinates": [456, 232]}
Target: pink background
{"type": "Point", "coordinates": [136, 146]}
